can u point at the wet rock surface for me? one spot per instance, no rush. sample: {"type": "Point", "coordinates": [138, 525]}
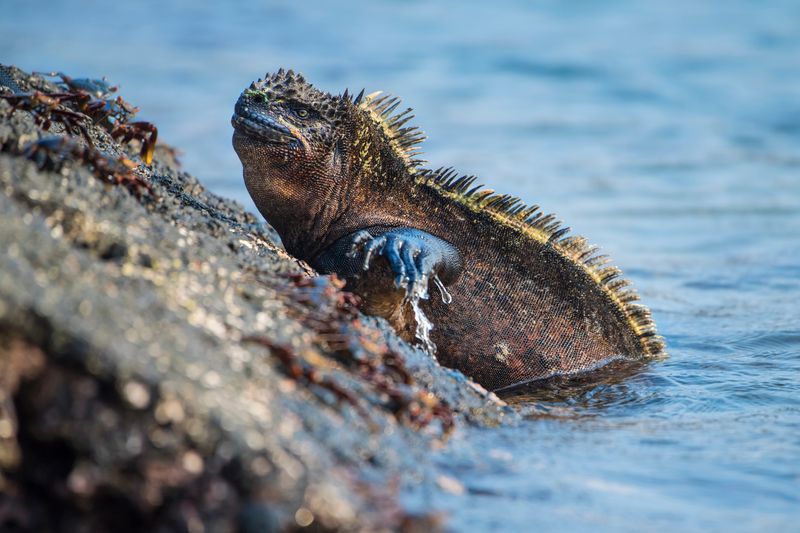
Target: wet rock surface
{"type": "Point", "coordinates": [165, 365]}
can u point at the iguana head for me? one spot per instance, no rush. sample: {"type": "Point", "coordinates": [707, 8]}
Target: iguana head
{"type": "Point", "coordinates": [287, 135]}
{"type": "Point", "coordinates": [309, 155]}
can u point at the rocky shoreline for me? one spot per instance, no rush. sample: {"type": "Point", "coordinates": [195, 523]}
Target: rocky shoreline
{"type": "Point", "coordinates": [165, 365]}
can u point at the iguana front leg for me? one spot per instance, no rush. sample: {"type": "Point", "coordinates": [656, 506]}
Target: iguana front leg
{"type": "Point", "coordinates": [414, 258]}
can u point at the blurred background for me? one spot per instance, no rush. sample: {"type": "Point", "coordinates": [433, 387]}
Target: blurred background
{"type": "Point", "coordinates": [667, 132]}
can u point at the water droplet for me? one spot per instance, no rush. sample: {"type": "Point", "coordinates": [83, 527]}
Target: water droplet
{"type": "Point", "coordinates": [419, 291]}
{"type": "Point", "coordinates": [446, 297]}
{"type": "Point", "coordinates": [303, 517]}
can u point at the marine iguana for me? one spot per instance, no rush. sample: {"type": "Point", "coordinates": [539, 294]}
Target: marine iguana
{"type": "Point", "coordinates": [339, 179]}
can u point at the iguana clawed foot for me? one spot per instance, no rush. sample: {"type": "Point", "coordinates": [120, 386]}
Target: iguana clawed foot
{"type": "Point", "coordinates": [411, 261]}
{"type": "Point", "coordinates": [414, 256]}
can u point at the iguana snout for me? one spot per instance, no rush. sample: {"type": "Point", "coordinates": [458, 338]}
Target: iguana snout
{"type": "Point", "coordinates": [253, 118]}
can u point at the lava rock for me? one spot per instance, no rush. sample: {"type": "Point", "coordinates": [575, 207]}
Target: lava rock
{"type": "Point", "coordinates": [166, 365]}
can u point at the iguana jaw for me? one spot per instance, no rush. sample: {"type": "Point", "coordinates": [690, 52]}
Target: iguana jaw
{"type": "Point", "coordinates": [250, 120]}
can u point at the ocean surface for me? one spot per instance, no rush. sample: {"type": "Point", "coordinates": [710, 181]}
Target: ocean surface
{"type": "Point", "coordinates": [666, 132]}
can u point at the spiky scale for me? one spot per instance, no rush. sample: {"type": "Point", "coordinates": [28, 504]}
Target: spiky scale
{"type": "Point", "coordinates": [403, 118]}
{"type": "Point", "coordinates": [618, 284]}
{"type": "Point", "coordinates": [628, 296]}
{"type": "Point", "coordinates": [406, 131]}
{"type": "Point", "coordinates": [493, 201]}
{"type": "Point", "coordinates": [544, 220]}
{"type": "Point", "coordinates": [387, 107]}
{"type": "Point", "coordinates": [472, 191]}
{"type": "Point", "coordinates": [552, 227]}
{"type": "Point", "coordinates": [465, 182]}
{"type": "Point", "coordinates": [574, 243]}
{"type": "Point", "coordinates": [597, 260]}
{"type": "Point", "coordinates": [608, 273]}
{"type": "Point", "coordinates": [558, 234]}
{"type": "Point", "coordinates": [376, 103]}
{"type": "Point", "coordinates": [480, 195]}
{"type": "Point", "coordinates": [586, 254]}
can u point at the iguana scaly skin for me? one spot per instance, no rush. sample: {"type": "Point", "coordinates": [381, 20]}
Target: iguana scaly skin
{"type": "Point", "coordinates": [338, 179]}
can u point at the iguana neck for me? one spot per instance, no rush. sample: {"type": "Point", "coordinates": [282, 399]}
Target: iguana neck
{"type": "Point", "coordinates": [373, 165]}
{"type": "Point", "coordinates": [301, 216]}
{"type": "Point", "coordinates": [373, 184]}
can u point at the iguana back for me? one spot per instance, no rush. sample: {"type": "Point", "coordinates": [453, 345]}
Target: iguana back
{"type": "Point", "coordinates": [530, 302]}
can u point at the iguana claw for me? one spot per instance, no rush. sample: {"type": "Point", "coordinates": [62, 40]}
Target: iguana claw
{"type": "Point", "coordinates": [415, 256]}
{"type": "Point", "coordinates": [410, 257]}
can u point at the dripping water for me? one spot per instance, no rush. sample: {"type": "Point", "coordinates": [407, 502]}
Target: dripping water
{"type": "Point", "coordinates": [446, 298]}
{"type": "Point", "coordinates": [419, 291]}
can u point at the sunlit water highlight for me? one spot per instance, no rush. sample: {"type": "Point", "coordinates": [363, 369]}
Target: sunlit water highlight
{"type": "Point", "coordinates": [668, 132]}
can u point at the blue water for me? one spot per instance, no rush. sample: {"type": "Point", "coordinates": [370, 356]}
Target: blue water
{"type": "Point", "coordinates": [669, 132]}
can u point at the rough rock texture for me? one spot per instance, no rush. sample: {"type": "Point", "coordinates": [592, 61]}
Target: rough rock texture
{"type": "Point", "coordinates": [164, 365]}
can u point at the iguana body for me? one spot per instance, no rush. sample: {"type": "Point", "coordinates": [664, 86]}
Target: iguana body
{"type": "Point", "coordinates": [336, 177]}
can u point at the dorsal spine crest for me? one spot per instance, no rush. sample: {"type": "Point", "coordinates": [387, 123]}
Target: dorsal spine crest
{"type": "Point", "coordinates": [404, 141]}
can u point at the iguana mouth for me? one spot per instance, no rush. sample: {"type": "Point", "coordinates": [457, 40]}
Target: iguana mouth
{"type": "Point", "coordinates": [259, 125]}
{"type": "Point", "coordinates": [262, 128]}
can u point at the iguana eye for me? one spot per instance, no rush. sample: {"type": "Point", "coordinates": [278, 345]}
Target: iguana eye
{"type": "Point", "coordinates": [301, 112]}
